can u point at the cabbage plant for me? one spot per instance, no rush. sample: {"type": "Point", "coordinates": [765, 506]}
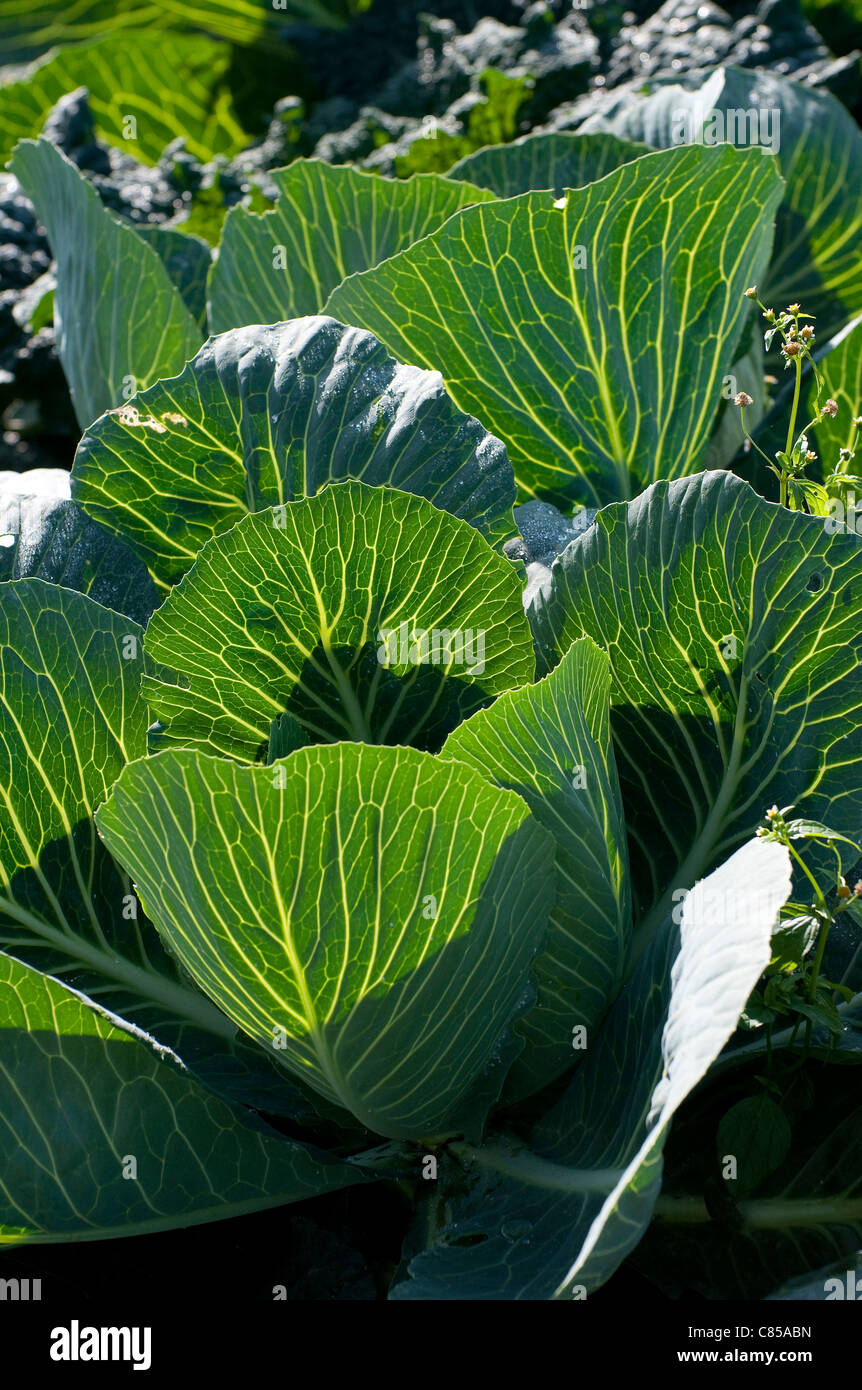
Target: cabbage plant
{"type": "Point", "coordinates": [359, 829]}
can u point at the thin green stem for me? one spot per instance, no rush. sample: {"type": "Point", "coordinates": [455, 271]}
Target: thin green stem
{"type": "Point", "coordinates": [766, 1213]}
{"type": "Point", "coordinates": [791, 429]}
{"type": "Point", "coordinates": [806, 428]}
{"type": "Point", "coordinates": [818, 959]}
{"type": "Point", "coordinates": [821, 901]}
{"type": "Point", "coordinates": [825, 923]}
{"type": "Point", "coordinates": [752, 441]}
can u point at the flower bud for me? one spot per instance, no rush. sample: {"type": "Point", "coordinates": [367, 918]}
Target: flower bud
{"type": "Point", "coordinates": [751, 292]}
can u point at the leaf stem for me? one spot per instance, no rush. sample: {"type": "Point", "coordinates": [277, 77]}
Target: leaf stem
{"type": "Point", "coordinates": [766, 1213]}
{"type": "Point", "coordinates": [540, 1172]}
{"type": "Point", "coordinates": [750, 438]}
{"type": "Point", "coordinates": [357, 723]}
{"type": "Point", "coordinates": [821, 901]}
{"type": "Point", "coordinates": [825, 924]}
{"type": "Point", "coordinates": [791, 428]}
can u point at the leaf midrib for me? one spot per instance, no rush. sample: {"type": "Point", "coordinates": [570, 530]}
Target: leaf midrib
{"type": "Point", "coordinates": [701, 854]}
{"type": "Point", "coordinates": [148, 984]}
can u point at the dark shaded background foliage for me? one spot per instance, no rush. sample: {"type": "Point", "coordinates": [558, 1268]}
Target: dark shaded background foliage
{"type": "Point", "coordinates": [360, 96]}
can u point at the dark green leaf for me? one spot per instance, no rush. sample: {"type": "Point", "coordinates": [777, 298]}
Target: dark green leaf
{"type": "Point", "coordinates": [187, 260]}
{"type": "Point", "coordinates": [557, 160]}
{"type": "Point", "coordinates": [818, 149]}
{"type": "Point", "coordinates": [551, 743]}
{"type": "Point", "coordinates": [371, 911]}
{"type": "Point", "coordinates": [733, 634]}
{"type": "Point", "coordinates": [556, 1222]}
{"type": "Point", "coordinates": [805, 1214]}
{"type": "Point", "coordinates": [842, 1279]}
{"type": "Point", "coordinates": [840, 372]}
{"type": "Point", "coordinates": [592, 333]}
{"type": "Point", "coordinates": [792, 940]}
{"type": "Point", "coordinates": [815, 830]}
{"type": "Point", "coordinates": [266, 415]}
{"type": "Point", "coordinates": [70, 716]}
{"type": "Point", "coordinates": [822, 1012]}
{"type": "Point", "coordinates": [171, 87]}
{"type": "Point", "coordinates": [26, 30]}
{"type": "Point", "coordinates": [80, 1099]}
{"type": "Point", "coordinates": [121, 323]}
{"type": "Point", "coordinates": [54, 539]}
{"type": "Point", "coordinates": [327, 223]}
{"type": "Point", "coordinates": [487, 116]}
{"type": "Point", "coordinates": [756, 1134]}
{"type": "Point", "coordinates": [285, 736]}
{"type": "Point", "coordinates": [363, 612]}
